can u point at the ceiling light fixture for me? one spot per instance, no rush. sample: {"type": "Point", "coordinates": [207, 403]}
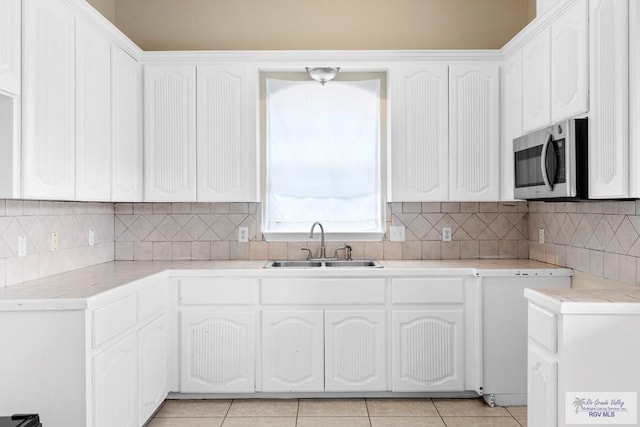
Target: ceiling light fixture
{"type": "Point", "coordinates": [322, 74]}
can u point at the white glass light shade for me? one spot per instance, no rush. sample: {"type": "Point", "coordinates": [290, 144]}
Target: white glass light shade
{"type": "Point", "coordinates": [322, 74]}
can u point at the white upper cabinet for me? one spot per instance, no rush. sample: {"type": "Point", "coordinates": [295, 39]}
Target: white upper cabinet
{"type": "Point", "coordinates": [474, 132]}
{"type": "Point", "coordinates": [48, 100]}
{"type": "Point", "coordinates": [536, 78]}
{"type": "Point", "coordinates": [420, 120]}
{"type": "Point", "coordinates": [543, 5]}
{"type": "Point", "coordinates": [634, 94]}
{"type": "Point", "coordinates": [93, 112]}
{"type": "Point", "coordinates": [569, 63]}
{"type": "Point", "coordinates": [555, 70]}
{"type": "Point", "coordinates": [170, 133]}
{"type": "Point", "coordinates": [226, 133]}
{"type": "Point", "coordinates": [10, 18]}
{"type": "Point", "coordinates": [609, 83]}
{"type": "Point", "coordinates": [511, 119]}
{"type": "Point", "coordinates": [126, 127]}
{"type": "Point", "coordinates": [10, 45]}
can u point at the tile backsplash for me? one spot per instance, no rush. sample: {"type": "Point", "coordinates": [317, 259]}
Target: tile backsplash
{"type": "Point", "coordinates": [599, 238]}
{"type": "Point", "coordinates": [209, 231]}
{"type": "Point", "coordinates": [37, 220]}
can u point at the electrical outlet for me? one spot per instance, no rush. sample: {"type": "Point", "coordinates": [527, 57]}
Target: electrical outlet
{"type": "Point", "coordinates": [92, 237]}
{"type": "Point", "coordinates": [541, 235]}
{"type": "Point", "coordinates": [396, 233]}
{"type": "Point", "coordinates": [446, 234]}
{"type": "Point", "coordinates": [54, 242]}
{"type": "Point", "coordinates": [243, 234]}
{"type": "Point", "coordinates": [22, 245]}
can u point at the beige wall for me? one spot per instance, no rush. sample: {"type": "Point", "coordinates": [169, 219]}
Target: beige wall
{"type": "Point", "coordinates": [320, 24]}
{"type": "Point", "coordinates": [105, 7]}
{"type": "Point", "coordinates": [532, 9]}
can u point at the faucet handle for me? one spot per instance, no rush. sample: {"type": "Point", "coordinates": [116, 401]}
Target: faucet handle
{"type": "Point", "coordinates": [348, 250]}
{"type": "Point", "coordinates": [309, 252]}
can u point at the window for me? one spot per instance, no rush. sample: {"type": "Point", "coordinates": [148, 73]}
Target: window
{"type": "Point", "coordinates": [323, 158]}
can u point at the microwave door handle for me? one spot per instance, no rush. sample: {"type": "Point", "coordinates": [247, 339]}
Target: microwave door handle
{"type": "Point", "coordinates": [543, 162]}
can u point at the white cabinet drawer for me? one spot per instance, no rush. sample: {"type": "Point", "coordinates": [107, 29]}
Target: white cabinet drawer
{"type": "Point", "coordinates": [152, 300]}
{"type": "Point", "coordinates": [113, 319]}
{"type": "Point", "coordinates": [323, 291]}
{"type": "Point", "coordinates": [542, 327]}
{"type": "Point", "coordinates": [428, 291]}
{"type": "Point", "coordinates": [218, 291]}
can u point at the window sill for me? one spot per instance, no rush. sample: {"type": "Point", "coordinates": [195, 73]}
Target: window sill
{"type": "Point", "coordinates": [329, 237]}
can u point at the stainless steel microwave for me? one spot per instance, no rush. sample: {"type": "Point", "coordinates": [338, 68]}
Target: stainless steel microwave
{"type": "Point", "coordinates": [552, 163]}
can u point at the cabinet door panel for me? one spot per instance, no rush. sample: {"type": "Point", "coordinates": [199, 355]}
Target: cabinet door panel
{"type": "Point", "coordinates": [609, 115]}
{"type": "Point", "coordinates": [218, 352]}
{"type": "Point", "coordinates": [126, 127]}
{"type": "Point", "coordinates": [474, 123]}
{"type": "Point", "coordinates": [355, 351]}
{"type": "Point", "coordinates": [542, 393]}
{"type": "Point", "coordinates": [170, 133]}
{"type": "Point", "coordinates": [292, 351]}
{"type": "Point", "coordinates": [512, 120]}
{"type": "Point", "coordinates": [152, 351]}
{"type": "Point", "coordinates": [10, 18]}
{"type": "Point", "coordinates": [115, 385]}
{"type": "Point", "coordinates": [536, 78]}
{"type": "Point", "coordinates": [226, 134]}
{"type": "Point", "coordinates": [420, 149]}
{"type": "Point", "coordinates": [634, 97]}
{"type": "Point", "coordinates": [48, 100]}
{"type": "Point", "coordinates": [428, 350]}
{"type": "Point", "coordinates": [93, 113]}
{"type": "Point", "coordinates": [569, 63]}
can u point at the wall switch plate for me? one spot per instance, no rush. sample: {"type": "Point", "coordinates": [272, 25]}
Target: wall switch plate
{"type": "Point", "coordinates": [54, 242]}
{"type": "Point", "coordinates": [22, 245]}
{"type": "Point", "coordinates": [396, 233]}
{"type": "Point", "coordinates": [92, 237]}
{"type": "Point", "coordinates": [446, 234]}
{"type": "Point", "coordinates": [243, 234]}
{"type": "Point", "coordinates": [541, 235]}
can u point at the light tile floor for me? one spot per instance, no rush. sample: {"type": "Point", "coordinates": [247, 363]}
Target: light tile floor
{"type": "Point", "coordinates": [337, 413]}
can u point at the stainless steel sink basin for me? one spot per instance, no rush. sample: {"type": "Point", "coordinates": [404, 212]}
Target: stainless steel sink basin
{"type": "Point", "coordinates": [293, 264]}
{"type": "Point", "coordinates": [353, 263]}
{"type": "Point", "coordinates": [367, 263]}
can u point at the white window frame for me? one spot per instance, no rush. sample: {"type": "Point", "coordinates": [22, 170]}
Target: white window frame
{"type": "Point", "coordinates": [374, 236]}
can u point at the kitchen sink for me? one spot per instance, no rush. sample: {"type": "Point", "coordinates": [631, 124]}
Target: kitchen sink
{"type": "Point", "coordinates": [293, 264]}
{"type": "Point", "coordinates": [367, 263]}
{"type": "Point", "coordinates": [353, 263]}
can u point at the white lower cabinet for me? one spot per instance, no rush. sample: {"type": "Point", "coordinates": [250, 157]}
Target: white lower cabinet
{"type": "Point", "coordinates": [542, 377]}
{"type": "Point", "coordinates": [292, 351]}
{"type": "Point", "coordinates": [355, 350]}
{"type": "Point", "coordinates": [218, 351]}
{"type": "Point", "coordinates": [152, 368]}
{"type": "Point", "coordinates": [115, 385]}
{"type": "Point", "coordinates": [428, 350]}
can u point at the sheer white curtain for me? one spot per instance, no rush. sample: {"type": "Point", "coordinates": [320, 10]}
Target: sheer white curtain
{"type": "Point", "coordinates": [323, 156]}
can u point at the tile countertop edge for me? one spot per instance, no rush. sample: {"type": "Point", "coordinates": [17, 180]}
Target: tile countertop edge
{"type": "Point", "coordinates": [100, 284]}
{"type": "Point", "coordinates": [575, 301]}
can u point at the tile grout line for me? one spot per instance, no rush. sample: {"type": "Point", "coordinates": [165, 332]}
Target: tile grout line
{"type": "Point", "coordinates": [297, 412]}
{"type": "Point", "coordinates": [366, 405]}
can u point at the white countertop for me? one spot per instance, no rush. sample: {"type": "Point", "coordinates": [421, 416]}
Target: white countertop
{"type": "Point", "coordinates": [587, 301]}
{"type": "Point", "coordinates": [73, 289]}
